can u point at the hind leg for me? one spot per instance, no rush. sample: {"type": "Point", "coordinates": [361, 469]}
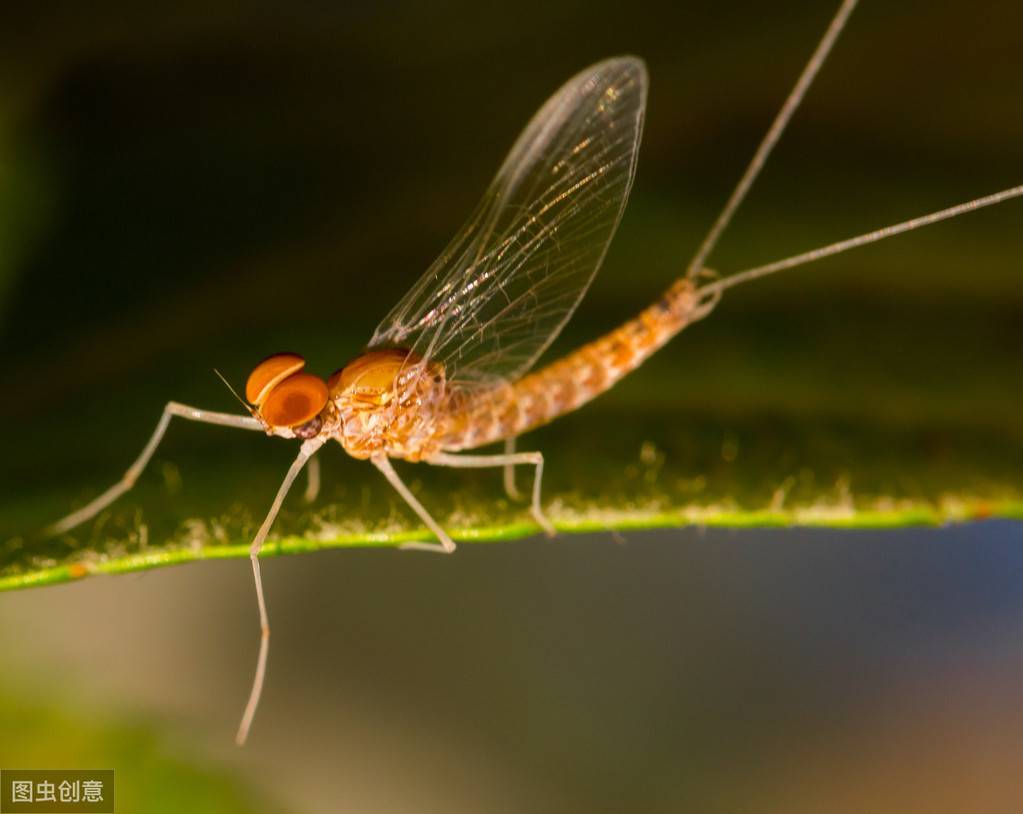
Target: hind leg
{"type": "Point", "coordinates": [514, 459]}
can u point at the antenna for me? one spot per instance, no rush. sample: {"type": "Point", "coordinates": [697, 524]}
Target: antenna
{"type": "Point", "coordinates": [234, 393]}
{"type": "Point", "coordinates": [861, 240]}
{"type": "Point", "coordinates": [773, 134]}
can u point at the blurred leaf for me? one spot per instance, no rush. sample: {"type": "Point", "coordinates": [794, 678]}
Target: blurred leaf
{"type": "Point", "coordinates": [40, 734]}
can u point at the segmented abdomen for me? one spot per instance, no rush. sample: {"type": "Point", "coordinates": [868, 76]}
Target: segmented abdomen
{"type": "Point", "coordinates": [571, 381]}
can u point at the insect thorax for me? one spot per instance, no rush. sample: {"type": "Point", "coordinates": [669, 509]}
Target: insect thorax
{"type": "Point", "coordinates": [388, 401]}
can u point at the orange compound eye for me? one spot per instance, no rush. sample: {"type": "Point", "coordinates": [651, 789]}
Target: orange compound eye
{"type": "Point", "coordinates": [269, 373]}
{"type": "Point", "coordinates": [294, 401]}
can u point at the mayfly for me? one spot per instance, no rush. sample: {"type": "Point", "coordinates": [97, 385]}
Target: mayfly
{"type": "Point", "coordinates": [448, 369]}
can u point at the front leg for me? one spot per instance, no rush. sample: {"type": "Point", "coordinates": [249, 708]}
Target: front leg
{"type": "Point", "coordinates": [127, 480]}
{"type": "Point", "coordinates": [482, 461]}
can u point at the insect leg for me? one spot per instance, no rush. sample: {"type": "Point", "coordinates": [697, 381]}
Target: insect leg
{"type": "Point", "coordinates": [482, 461]}
{"type": "Point", "coordinates": [312, 487]}
{"type": "Point", "coordinates": [446, 544]}
{"type": "Point", "coordinates": [509, 472]}
{"type": "Point", "coordinates": [128, 479]}
{"type": "Point", "coordinates": [309, 449]}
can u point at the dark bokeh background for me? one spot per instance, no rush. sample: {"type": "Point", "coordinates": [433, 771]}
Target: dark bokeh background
{"type": "Point", "coordinates": [182, 181]}
{"type": "Point", "coordinates": [202, 184]}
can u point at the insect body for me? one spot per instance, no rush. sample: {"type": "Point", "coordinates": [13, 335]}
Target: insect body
{"type": "Point", "coordinates": [570, 382]}
{"type": "Point", "coordinates": [448, 370]}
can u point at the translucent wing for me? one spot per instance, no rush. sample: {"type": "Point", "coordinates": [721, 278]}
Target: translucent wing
{"type": "Point", "coordinates": [503, 288]}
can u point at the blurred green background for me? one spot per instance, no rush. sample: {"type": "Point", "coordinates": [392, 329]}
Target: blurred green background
{"type": "Point", "coordinates": [201, 184]}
